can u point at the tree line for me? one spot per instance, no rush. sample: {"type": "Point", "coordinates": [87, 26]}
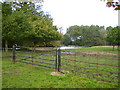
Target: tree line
{"type": "Point", "coordinates": [93, 35]}
{"type": "Point", "coordinates": [22, 24]}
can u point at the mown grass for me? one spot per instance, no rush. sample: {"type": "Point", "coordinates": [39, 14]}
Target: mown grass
{"type": "Point", "coordinates": [47, 58]}
{"type": "Point", "coordinates": [103, 68]}
{"type": "Point", "coordinates": [20, 75]}
{"type": "Point", "coordinates": [95, 49]}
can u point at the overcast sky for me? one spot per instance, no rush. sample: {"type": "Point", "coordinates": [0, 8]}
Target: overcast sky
{"type": "Point", "coordinates": [66, 13]}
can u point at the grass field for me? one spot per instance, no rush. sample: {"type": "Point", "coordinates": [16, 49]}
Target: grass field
{"type": "Point", "coordinates": [94, 62]}
{"type": "Point", "coordinates": [102, 68]}
{"type": "Point", "coordinates": [95, 49]}
{"type": "Point", "coordinates": [20, 75]}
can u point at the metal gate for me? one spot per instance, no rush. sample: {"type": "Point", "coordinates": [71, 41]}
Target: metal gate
{"type": "Point", "coordinates": [46, 57]}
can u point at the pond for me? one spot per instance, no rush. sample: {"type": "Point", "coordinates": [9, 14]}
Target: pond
{"type": "Point", "coordinates": [71, 47]}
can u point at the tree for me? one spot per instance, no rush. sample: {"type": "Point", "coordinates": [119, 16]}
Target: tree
{"type": "Point", "coordinates": [16, 28]}
{"type": "Point", "coordinates": [6, 12]}
{"type": "Point", "coordinates": [113, 36]}
{"type": "Point", "coordinates": [43, 30]}
{"type": "Point", "coordinates": [25, 24]}
{"type": "Point", "coordinates": [73, 33]}
{"type": "Point", "coordinates": [86, 35]}
{"type": "Point", "coordinates": [66, 40]}
{"type": "Point", "coordinates": [103, 35]}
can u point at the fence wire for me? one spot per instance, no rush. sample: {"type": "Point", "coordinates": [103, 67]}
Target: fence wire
{"type": "Point", "coordinates": [93, 66]}
{"type": "Point", "coordinates": [102, 67]}
{"type": "Point", "coordinates": [42, 57]}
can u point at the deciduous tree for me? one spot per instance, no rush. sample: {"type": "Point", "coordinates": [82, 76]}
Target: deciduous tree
{"type": "Point", "coordinates": [113, 36]}
{"type": "Point", "coordinates": [26, 24]}
{"type": "Point", "coordinates": [86, 35]}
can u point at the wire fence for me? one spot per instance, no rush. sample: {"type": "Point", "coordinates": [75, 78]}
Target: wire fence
{"type": "Point", "coordinates": [45, 57]}
{"type": "Point", "coordinates": [93, 66]}
{"type": "Point", "coordinates": [102, 67]}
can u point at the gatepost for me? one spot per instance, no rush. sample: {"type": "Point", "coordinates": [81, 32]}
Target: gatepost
{"type": "Point", "coordinates": [59, 59]}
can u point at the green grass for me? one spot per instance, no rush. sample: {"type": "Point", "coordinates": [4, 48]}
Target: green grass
{"type": "Point", "coordinates": [94, 65]}
{"type": "Point", "coordinates": [89, 64]}
{"type": "Point", "coordinates": [37, 55]}
{"type": "Point", "coordinates": [21, 75]}
{"type": "Point", "coordinates": [95, 49]}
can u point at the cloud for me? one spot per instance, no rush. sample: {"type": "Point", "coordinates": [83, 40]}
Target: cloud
{"type": "Point", "coordinates": [66, 13]}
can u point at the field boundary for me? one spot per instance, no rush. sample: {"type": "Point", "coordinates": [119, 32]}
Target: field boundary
{"type": "Point", "coordinates": [48, 57]}
{"type": "Point", "coordinates": [88, 65]}
{"type": "Point", "coordinates": [72, 62]}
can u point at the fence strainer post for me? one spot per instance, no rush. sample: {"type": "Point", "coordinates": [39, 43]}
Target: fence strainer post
{"type": "Point", "coordinates": [59, 59]}
{"type": "Point", "coordinates": [56, 61]}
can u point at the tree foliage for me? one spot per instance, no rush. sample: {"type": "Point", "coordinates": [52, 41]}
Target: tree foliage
{"type": "Point", "coordinates": [23, 23]}
{"type": "Point", "coordinates": [113, 36]}
{"type": "Point", "coordinates": [85, 35]}
{"type": "Point", "coordinates": [16, 27]}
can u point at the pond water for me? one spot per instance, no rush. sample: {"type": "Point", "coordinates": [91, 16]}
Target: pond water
{"type": "Point", "coordinates": [71, 47]}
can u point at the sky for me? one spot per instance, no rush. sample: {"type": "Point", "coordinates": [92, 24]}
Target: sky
{"type": "Point", "coordinates": [66, 13]}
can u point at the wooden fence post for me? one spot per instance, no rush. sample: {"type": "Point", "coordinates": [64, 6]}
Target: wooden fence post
{"type": "Point", "coordinates": [59, 59]}
{"type": "Point", "coordinates": [14, 56]}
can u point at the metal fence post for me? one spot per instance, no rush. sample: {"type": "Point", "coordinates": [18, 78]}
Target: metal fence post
{"type": "Point", "coordinates": [14, 56]}
{"type": "Point", "coordinates": [59, 59]}
{"type": "Point", "coordinates": [32, 51]}
{"type": "Point", "coordinates": [75, 63]}
{"type": "Point", "coordinates": [56, 59]}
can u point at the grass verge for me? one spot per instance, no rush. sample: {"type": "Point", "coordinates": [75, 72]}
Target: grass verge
{"type": "Point", "coordinates": [95, 49]}
{"type": "Point", "coordinates": [22, 75]}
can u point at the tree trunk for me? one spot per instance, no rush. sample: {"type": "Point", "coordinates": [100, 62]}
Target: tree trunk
{"type": "Point", "coordinates": [6, 45]}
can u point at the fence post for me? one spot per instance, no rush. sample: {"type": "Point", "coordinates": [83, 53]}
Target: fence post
{"type": "Point", "coordinates": [32, 51]}
{"type": "Point", "coordinates": [56, 59]}
{"type": "Point", "coordinates": [14, 56]}
{"type": "Point", "coordinates": [75, 63]}
{"type": "Point", "coordinates": [59, 59]}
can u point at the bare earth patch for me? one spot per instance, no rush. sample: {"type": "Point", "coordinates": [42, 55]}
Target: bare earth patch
{"type": "Point", "coordinates": [57, 74]}
{"type": "Point", "coordinates": [100, 53]}
{"type": "Point", "coordinates": [63, 71]}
